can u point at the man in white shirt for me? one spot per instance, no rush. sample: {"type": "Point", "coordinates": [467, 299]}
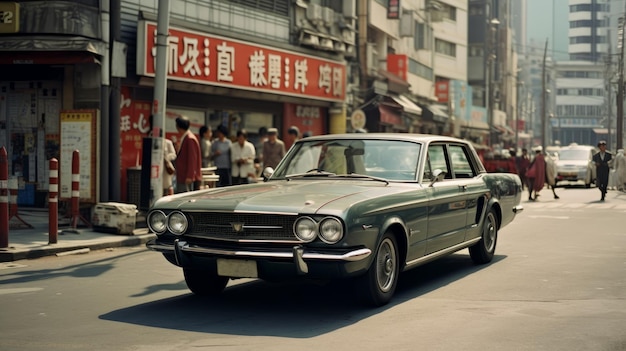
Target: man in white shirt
{"type": "Point", "coordinates": [242, 155]}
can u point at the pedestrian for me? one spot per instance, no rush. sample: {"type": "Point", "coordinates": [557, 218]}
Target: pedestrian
{"type": "Point", "coordinates": [220, 151]}
{"type": "Point", "coordinates": [512, 161]}
{"type": "Point", "coordinates": [536, 174]}
{"type": "Point", "coordinates": [273, 149]}
{"type": "Point", "coordinates": [205, 145]}
{"type": "Point", "coordinates": [522, 163]}
{"type": "Point", "coordinates": [620, 170]}
{"type": "Point", "coordinates": [551, 172]}
{"type": "Point", "coordinates": [188, 159]}
{"type": "Point", "coordinates": [242, 153]}
{"type": "Point", "coordinates": [293, 134]}
{"type": "Point", "coordinates": [602, 159]}
{"type": "Point", "coordinates": [169, 155]}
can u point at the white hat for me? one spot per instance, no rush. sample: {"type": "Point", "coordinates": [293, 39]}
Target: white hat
{"type": "Point", "coordinates": [538, 148]}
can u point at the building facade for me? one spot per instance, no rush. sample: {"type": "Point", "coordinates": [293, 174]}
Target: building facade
{"type": "Point", "coordinates": [80, 75]}
{"type": "Point", "coordinates": [583, 84]}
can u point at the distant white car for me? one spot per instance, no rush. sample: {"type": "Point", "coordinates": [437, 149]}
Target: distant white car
{"type": "Point", "coordinates": [575, 165]}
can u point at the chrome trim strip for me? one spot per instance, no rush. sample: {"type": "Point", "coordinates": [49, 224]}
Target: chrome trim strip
{"type": "Point", "coordinates": [351, 256]}
{"type": "Point", "coordinates": [246, 241]}
{"type": "Point", "coordinates": [435, 255]}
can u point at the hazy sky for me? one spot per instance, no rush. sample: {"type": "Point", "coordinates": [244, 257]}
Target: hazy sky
{"type": "Point", "coordinates": [548, 19]}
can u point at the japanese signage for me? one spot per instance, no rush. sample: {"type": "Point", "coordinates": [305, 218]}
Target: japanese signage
{"type": "Point", "coordinates": [442, 92]}
{"type": "Point", "coordinates": [393, 9]}
{"type": "Point", "coordinates": [398, 64]}
{"type": "Point", "coordinates": [213, 60]}
{"type": "Point", "coordinates": [307, 118]}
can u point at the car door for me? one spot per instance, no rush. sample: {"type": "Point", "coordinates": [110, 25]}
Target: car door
{"type": "Point", "coordinates": [448, 203]}
{"type": "Point", "coordinates": [465, 171]}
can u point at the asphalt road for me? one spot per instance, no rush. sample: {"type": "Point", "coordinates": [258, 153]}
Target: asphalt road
{"type": "Point", "coordinates": [558, 282]}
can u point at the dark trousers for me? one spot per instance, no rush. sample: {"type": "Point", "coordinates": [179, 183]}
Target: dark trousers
{"type": "Point", "coordinates": [225, 177]}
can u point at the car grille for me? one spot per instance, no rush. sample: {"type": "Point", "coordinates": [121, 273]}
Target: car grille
{"type": "Point", "coordinates": [242, 226]}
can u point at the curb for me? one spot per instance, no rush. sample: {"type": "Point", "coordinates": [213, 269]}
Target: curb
{"type": "Point", "coordinates": [13, 254]}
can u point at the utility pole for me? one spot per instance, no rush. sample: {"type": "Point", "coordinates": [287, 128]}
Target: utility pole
{"type": "Point", "coordinates": [543, 98]}
{"type": "Point", "coordinates": [160, 101]}
{"type": "Point", "coordinates": [518, 95]}
{"type": "Point", "coordinates": [620, 86]}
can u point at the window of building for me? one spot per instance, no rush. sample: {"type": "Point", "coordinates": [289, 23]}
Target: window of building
{"type": "Point", "coordinates": [419, 39]}
{"type": "Point", "coordinates": [445, 47]}
{"type": "Point", "coordinates": [447, 12]}
{"type": "Point", "coordinates": [279, 7]}
{"type": "Point", "coordinates": [420, 69]}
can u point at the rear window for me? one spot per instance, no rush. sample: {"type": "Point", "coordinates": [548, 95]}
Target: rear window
{"type": "Point", "coordinates": [574, 155]}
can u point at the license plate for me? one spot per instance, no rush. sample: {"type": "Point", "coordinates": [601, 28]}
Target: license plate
{"type": "Point", "coordinates": [237, 268]}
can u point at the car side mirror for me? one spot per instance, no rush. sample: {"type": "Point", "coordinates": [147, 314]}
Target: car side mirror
{"type": "Point", "coordinates": [267, 173]}
{"type": "Point", "coordinates": [438, 175]}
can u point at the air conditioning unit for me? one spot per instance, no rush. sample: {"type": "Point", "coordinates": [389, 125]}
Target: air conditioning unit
{"type": "Point", "coordinates": [309, 39]}
{"type": "Point", "coordinates": [328, 15]}
{"type": "Point", "coordinates": [314, 13]}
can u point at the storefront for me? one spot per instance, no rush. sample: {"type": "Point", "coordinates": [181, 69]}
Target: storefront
{"type": "Point", "coordinates": [47, 75]}
{"type": "Point", "coordinates": [216, 80]}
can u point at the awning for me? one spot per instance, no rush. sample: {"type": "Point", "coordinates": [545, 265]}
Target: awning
{"type": "Point", "coordinates": [407, 105]}
{"type": "Point", "coordinates": [394, 83]}
{"type": "Point", "coordinates": [500, 129]}
{"type": "Point", "coordinates": [46, 58]}
{"type": "Point", "coordinates": [52, 43]}
{"type": "Point", "coordinates": [435, 113]}
{"type": "Point", "coordinates": [476, 125]}
{"type": "Point", "coordinates": [601, 131]}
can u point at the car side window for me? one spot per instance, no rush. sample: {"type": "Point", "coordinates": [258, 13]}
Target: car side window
{"type": "Point", "coordinates": [461, 165]}
{"type": "Point", "coordinates": [437, 160]}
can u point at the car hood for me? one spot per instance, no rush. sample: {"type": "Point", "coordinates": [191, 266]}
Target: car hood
{"type": "Point", "coordinates": [294, 196]}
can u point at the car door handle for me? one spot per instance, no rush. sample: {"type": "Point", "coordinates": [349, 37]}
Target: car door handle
{"type": "Point", "coordinates": [463, 188]}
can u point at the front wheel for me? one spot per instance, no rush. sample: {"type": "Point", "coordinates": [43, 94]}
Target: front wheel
{"type": "Point", "coordinates": [202, 282]}
{"type": "Point", "coordinates": [379, 283]}
{"type": "Point", "coordinates": [483, 251]}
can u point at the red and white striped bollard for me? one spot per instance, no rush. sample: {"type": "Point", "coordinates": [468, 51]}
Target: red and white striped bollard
{"type": "Point", "coordinates": [53, 202]}
{"type": "Point", "coordinates": [4, 199]}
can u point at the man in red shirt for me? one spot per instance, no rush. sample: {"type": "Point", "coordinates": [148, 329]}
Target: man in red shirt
{"type": "Point", "coordinates": [189, 158]}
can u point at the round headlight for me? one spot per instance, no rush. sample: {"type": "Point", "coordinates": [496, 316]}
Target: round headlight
{"type": "Point", "coordinates": [331, 230]}
{"type": "Point", "coordinates": [177, 223]}
{"type": "Point", "coordinates": [305, 229]}
{"type": "Point", "coordinates": [157, 222]}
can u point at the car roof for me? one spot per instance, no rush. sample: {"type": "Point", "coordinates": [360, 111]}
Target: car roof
{"type": "Point", "coordinates": [425, 138]}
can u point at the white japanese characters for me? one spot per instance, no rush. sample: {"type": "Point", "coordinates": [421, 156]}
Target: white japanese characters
{"type": "Point", "coordinates": [249, 66]}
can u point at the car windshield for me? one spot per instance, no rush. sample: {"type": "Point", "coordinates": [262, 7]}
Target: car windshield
{"type": "Point", "coordinates": [390, 160]}
{"type": "Point", "coordinates": [573, 155]}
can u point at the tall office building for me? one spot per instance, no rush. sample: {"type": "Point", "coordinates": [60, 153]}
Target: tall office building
{"type": "Point", "coordinates": [583, 107]}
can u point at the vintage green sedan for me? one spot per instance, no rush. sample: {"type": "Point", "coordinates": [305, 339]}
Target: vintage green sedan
{"type": "Point", "coordinates": [352, 206]}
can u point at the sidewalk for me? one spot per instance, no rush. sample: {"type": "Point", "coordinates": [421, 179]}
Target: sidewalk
{"type": "Point", "coordinates": [27, 243]}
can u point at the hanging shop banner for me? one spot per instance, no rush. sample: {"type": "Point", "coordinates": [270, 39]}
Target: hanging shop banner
{"type": "Point", "coordinates": [213, 60]}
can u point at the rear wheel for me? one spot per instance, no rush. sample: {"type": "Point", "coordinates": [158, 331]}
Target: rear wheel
{"type": "Point", "coordinates": [378, 285]}
{"type": "Point", "coordinates": [483, 250]}
{"type": "Point", "coordinates": [202, 282]}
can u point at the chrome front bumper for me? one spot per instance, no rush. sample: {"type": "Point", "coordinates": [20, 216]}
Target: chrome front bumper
{"type": "Point", "coordinates": [298, 254]}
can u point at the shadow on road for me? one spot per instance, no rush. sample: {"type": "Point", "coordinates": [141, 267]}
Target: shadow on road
{"type": "Point", "coordinates": [295, 310]}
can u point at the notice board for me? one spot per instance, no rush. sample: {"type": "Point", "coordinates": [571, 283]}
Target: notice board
{"type": "Point", "coordinates": [78, 132]}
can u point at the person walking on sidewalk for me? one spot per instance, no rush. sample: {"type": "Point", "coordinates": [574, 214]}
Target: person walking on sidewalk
{"type": "Point", "coordinates": [602, 159]}
{"type": "Point", "coordinates": [536, 174]}
{"type": "Point", "coordinates": [189, 158]}
{"type": "Point", "coordinates": [551, 172]}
